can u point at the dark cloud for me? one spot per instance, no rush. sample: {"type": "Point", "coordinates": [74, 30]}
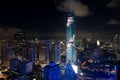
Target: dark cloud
{"type": "Point", "coordinates": [113, 21]}
{"type": "Point", "coordinates": [79, 8]}
{"type": "Point", "coordinates": [113, 4]}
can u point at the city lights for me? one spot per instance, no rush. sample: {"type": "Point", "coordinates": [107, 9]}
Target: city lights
{"type": "Point", "coordinates": [70, 20]}
{"type": "Point", "coordinates": [81, 73]}
{"type": "Point", "coordinates": [75, 68]}
{"type": "Point", "coordinates": [34, 79]}
{"type": "Point", "coordinates": [60, 40]}
{"type": "Point", "coordinates": [98, 42]}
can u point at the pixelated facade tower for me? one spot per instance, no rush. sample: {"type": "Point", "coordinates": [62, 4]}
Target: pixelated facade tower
{"type": "Point", "coordinates": [70, 39]}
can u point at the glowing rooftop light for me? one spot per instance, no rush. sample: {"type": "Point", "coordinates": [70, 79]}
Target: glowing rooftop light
{"type": "Point", "coordinates": [61, 42]}
{"type": "Point", "coordinates": [69, 45]}
{"type": "Point", "coordinates": [70, 20]}
{"type": "Point", "coordinates": [81, 73]}
{"type": "Point", "coordinates": [52, 43]}
{"type": "Point", "coordinates": [98, 42]}
{"type": "Point", "coordinates": [75, 68]}
{"type": "Point", "coordinates": [72, 39]}
{"type": "Point", "coordinates": [1, 73]}
{"type": "Point", "coordinates": [34, 79]}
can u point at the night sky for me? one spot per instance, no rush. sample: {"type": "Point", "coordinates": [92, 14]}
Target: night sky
{"type": "Point", "coordinates": [47, 16]}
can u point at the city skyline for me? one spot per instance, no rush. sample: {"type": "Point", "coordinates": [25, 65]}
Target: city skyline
{"type": "Point", "coordinates": [50, 15]}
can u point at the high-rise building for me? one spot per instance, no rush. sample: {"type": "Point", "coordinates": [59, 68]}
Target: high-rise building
{"type": "Point", "coordinates": [70, 41]}
{"type": "Point", "coordinates": [47, 44]}
{"type": "Point", "coordinates": [52, 72]}
{"type": "Point", "coordinates": [58, 52]}
{"type": "Point", "coordinates": [25, 67]}
{"type": "Point", "coordinates": [37, 69]}
{"type": "Point", "coordinates": [31, 54]}
{"type": "Point", "coordinates": [52, 51]}
{"type": "Point", "coordinates": [14, 64]}
{"type": "Point", "coordinates": [43, 52]}
{"type": "Point", "coordinates": [7, 54]}
{"type": "Point", "coordinates": [19, 41]}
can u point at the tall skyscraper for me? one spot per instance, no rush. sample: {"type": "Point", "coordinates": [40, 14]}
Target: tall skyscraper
{"type": "Point", "coordinates": [57, 52]}
{"type": "Point", "coordinates": [20, 40]}
{"type": "Point", "coordinates": [70, 35]}
{"type": "Point", "coordinates": [47, 43]}
{"type": "Point", "coordinates": [52, 51]}
{"type": "Point", "coordinates": [70, 41]}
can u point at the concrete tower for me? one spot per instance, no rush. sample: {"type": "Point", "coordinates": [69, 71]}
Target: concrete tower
{"type": "Point", "coordinates": [70, 37]}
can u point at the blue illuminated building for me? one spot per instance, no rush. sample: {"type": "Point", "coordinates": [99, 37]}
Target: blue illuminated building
{"type": "Point", "coordinates": [14, 64]}
{"type": "Point", "coordinates": [70, 46]}
{"type": "Point", "coordinates": [25, 68]}
{"type": "Point", "coordinates": [52, 72]}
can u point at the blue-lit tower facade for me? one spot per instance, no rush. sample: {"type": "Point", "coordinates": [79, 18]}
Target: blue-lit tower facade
{"type": "Point", "coordinates": [47, 44]}
{"type": "Point", "coordinates": [52, 72]}
{"type": "Point", "coordinates": [25, 67]}
{"type": "Point", "coordinates": [70, 39]}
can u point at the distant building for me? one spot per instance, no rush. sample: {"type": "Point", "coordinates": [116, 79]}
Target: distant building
{"type": "Point", "coordinates": [14, 64]}
{"type": "Point", "coordinates": [31, 52]}
{"type": "Point", "coordinates": [7, 54]}
{"type": "Point", "coordinates": [116, 41]}
{"type": "Point", "coordinates": [52, 52]}
{"type": "Point", "coordinates": [19, 41]}
{"type": "Point", "coordinates": [25, 67]}
{"type": "Point", "coordinates": [47, 50]}
{"type": "Point", "coordinates": [57, 52]}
